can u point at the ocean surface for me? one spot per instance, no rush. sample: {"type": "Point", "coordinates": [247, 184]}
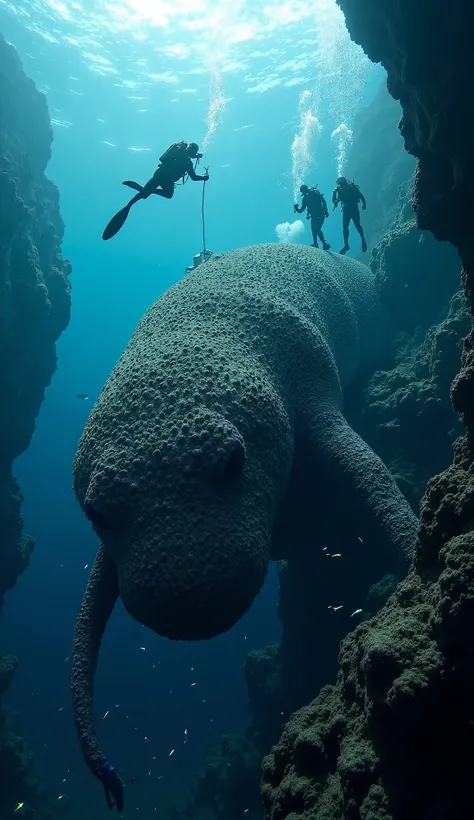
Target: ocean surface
{"type": "Point", "coordinates": [269, 92]}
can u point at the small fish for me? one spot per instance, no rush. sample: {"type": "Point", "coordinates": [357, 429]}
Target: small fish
{"type": "Point", "coordinates": [20, 806]}
{"type": "Point", "coordinates": [82, 396]}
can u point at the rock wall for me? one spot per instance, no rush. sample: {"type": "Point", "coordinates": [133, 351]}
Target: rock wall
{"type": "Point", "coordinates": [34, 289]}
{"type": "Point", "coordinates": [34, 310]}
{"type": "Point", "coordinates": [404, 411]}
{"type": "Point", "coordinates": [392, 738]}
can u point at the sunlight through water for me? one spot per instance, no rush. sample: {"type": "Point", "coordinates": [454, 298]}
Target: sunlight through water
{"type": "Point", "coordinates": [201, 47]}
{"type": "Point", "coordinates": [342, 70]}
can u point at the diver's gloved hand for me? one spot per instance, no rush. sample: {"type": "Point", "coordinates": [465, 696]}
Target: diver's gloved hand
{"type": "Point", "coordinates": [364, 207]}
{"type": "Point", "coordinates": [112, 783]}
{"type": "Point", "coordinates": [205, 177]}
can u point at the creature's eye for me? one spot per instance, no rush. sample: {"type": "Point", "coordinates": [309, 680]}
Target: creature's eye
{"type": "Point", "coordinates": [235, 463]}
{"type": "Point", "coordinates": [96, 518]}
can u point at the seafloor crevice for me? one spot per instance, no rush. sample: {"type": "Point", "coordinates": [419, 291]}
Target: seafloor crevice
{"type": "Point", "coordinates": [34, 310]}
{"type": "Point", "coordinates": [34, 289]}
{"type": "Point", "coordinates": [393, 738]}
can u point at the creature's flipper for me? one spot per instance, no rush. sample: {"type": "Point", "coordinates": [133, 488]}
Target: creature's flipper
{"type": "Point", "coordinates": [134, 185]}
{"type": "Point", "coordinates": [359, 490]}
{"type": "Point", "coordinates": [117, 221]}
{"type": "Point", "coordinates": [97, 605]}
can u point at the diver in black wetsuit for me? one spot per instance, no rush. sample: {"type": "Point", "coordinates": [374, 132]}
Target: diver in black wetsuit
{"type": "Point", "coordinates": [313, 201]}
{"type": "Point", "coordinates": [175, 163]}
{"type": "Point", "coordinates": [349, 195]}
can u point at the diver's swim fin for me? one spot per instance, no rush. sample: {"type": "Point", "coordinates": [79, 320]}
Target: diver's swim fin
{"type": "Point", "coordinates": [134, 185]}
{"type": "Point", "coordinates": [117, 221]}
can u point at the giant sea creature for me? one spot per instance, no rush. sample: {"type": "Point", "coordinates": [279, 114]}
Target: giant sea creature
{"type": "Point", "coordinates": [219, 443]}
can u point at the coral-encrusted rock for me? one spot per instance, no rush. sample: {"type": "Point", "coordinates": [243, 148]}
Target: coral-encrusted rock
{"type": "Point", "coordinates": [34, 288]}
{"type": "Point", "coordinates": [393, 738]}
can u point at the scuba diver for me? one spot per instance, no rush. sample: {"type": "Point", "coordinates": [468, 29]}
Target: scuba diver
{"type": "Point", "coordinates": [175, 163]}
{"type": "Point", "coordinates": [349, 195]}
{"type": "Point", "coordinates": [313, 201]}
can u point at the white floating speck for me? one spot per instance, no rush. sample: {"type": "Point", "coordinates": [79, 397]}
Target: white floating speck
{"type": "Point", "coordinates": [143, 648]}
{"type": "Point", "coordinates": [86, 566]}
{"type": "Point", "coordinates": [61, 796]}
{"type": "Point", "coordinates": [66, 659]}
{"type": "Point", "coordinates": [171, 753]}
{"type": "Point", "coordinates": [336, 555]}
{"type": "Point", "coordinates": [107, 712]}
{"type": "Point", "coordinates": [61, 709]}
{"type": "Point", "coordinates": [356, 612]}
{"type": "Point", "coordinates": [193, 684]}
{"type": "Point", "coordinates": [360, 539]}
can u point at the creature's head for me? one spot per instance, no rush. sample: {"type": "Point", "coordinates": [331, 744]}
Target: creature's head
{"type": "Point", "coordinates": [304, 189]}
{"type": "Point", "coordinates": [342, 182]}
{"type": "Point", "coordinates": [180, 469]}
{"type": "Point", "coordinates": [193, 150]}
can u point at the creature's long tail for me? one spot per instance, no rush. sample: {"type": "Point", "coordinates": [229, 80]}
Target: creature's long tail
{"type": "Point", "coordinates": [97, 605]}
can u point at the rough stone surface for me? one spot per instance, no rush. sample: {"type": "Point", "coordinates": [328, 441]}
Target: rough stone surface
{"type": "Point", "coordinates": [34, 310]}
{"type": "Point", "coordinates": [34, 289]}
{"type": "Point", "coordinates": [395, 729]}
{"type": "Point", "coordinates": [16, 761]}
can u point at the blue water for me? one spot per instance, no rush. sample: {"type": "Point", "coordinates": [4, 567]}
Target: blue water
{"type": "Point", "coordinates": [139, 75]}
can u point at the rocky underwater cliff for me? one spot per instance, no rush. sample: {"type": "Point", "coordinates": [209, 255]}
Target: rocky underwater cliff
{"type": "Point", "coordinates": [327, 763]}
{"type": "Point", "coordinates": [34, 311]}
{"type": "Point", "coordinates": [392, 738]}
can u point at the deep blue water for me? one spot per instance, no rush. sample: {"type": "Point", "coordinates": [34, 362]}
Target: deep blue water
{"type": "Point", "coordinates": [149, 693]}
